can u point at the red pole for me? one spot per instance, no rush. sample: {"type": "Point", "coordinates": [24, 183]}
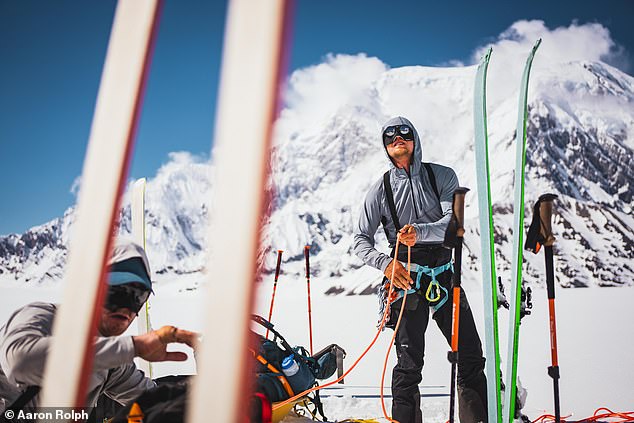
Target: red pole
{"type": "Point", "coordinates": [553, 371]}
{"type": "Point", "coordinates": [310, 323]}
{"type": "Point", "coordinates": [540, 234]}
{"type": "Point", "coordinates": [277, 274]}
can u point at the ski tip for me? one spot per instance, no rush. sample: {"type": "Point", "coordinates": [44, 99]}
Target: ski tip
{"type": "Point", "coordinates": [139, 182]}
{"type": "Point", "coordinates": [487, 55]}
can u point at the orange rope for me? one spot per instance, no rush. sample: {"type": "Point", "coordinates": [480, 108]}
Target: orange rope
{"type": "Point", "coordinates": [548, 418]}
{"type": "Point", "coordinates": [624, 417]}
{"type": "Point", "coordinates": [316, 388]}
{"type": "Point", "coordinates": [398, 323]}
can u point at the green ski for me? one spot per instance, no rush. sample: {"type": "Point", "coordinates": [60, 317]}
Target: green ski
{"type": "Point", "coordinates": [518, 231]}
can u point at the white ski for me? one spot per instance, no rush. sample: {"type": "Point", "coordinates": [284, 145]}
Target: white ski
{"type": "Point", "coordinates": [69, 363]}
{"type": "Point", "coordinates": [137, 212]}
{"type": "Point", "coordinates": [247, 100]}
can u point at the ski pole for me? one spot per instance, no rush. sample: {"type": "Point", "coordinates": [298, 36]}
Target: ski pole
{"type": "Point", "coordinates": [310, 324]}
{"type": "Point", "coordinates": [540, 233]}
{"type": "Point", "coordinates": [453, 239]}
{"type": "Point", "coordinates": [277, 274]}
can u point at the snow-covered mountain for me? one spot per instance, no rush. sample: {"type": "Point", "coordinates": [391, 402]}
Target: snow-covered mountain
{"type": "Point", "coordinates": [325, 156]}
{"type": "Point", "coordinates": [177, 203]}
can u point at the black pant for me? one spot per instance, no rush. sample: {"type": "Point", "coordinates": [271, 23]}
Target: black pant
{"type": "Point", "coordinates": [410, 349]}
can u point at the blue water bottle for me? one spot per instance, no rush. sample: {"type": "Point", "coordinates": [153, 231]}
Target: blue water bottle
{"type": "Point", "coordinates": [299, 376]}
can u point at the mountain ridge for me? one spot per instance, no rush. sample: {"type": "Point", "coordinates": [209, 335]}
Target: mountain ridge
{"type": "Point", "coordinates": [580, 145]}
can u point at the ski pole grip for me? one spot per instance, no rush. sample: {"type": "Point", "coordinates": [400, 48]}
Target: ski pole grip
{"type": "Point", "coordinates": [306, 255]}
{"type": "Point", "coordinates": [545, 215]}
{"type": "Point", "coordinates": [458, 208]}
{"type": "Point", "coordinates": [279, 263]}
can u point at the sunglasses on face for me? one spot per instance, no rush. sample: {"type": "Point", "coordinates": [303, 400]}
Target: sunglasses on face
{"type": "Point", "coordinates": [391, 132]}
{"type": "Point", "coordinates": [130, 296]}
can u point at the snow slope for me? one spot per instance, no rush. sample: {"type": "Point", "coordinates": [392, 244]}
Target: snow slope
{"type": "Point", "coordinates": [595, 343]}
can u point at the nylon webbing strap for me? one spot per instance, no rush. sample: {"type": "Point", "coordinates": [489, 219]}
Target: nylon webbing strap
{"type": "Point", "coordinates": [340, 355]}
{"type": "Point", "coordinates": [432, 179]}
{"type": "Point", "coordinates": [389, 195]}
{"type": "Point", "coordinates": [384, 223]}
{"type": "Point", "coordinates": [534, 238]}
{"type": "Point", "coordinates": [24, 398]}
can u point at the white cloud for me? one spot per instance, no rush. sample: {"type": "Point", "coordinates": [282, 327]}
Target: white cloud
{"type": "Point", "coordinates": [317, 92]}
{"type": "Point", "coordinates": [591, 41]}
{"type": "Point", "coordinates": [75, 186]}
{"type": "Point", "coordinates": [585, 42]}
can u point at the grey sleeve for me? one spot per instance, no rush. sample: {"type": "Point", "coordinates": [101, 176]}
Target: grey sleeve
{"type": "Point", "coordinates": [113, 351]}
{"type": "Point", "coordinates": [125, 383]}
{"type": "Point", "coordinates": [26, 339]}
{"type": "Point", "coordinates": [369, 221]}
{"type": "Point", "coordinates": [24, 343]}
{"type": "Point", "coordinates": [447, 182]}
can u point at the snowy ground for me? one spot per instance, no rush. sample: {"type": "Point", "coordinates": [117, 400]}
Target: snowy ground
{"type": "Point", "coordinates": [595, 337]}
{"type": "Point", "coordinates": [596, 340]}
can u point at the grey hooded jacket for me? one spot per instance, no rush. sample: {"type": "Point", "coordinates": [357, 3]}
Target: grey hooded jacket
{"type": "Point", "coordinates": [415, 201]}
{"type": "Point", "coordinates": [24, 344]}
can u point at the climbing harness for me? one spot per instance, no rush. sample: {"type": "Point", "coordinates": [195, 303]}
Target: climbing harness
{"type": "Point", "coordinates": [432, 294]}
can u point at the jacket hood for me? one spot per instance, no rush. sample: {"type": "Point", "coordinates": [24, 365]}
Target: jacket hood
{"type": "Point", "coordinates": [417, 156]}
{"type": "Point", "coordinates": [129, 263]}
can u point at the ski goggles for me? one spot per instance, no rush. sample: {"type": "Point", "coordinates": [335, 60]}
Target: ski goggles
{"type": "Point", "coordinates": [391, 132]}
{"type": "Point", "coordinates": [130, 296]}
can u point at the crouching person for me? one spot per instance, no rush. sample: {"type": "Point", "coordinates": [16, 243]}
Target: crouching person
{"type": "Point", "coordinates": [26, 338]}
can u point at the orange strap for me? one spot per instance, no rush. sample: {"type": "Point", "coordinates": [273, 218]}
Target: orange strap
{"type": "Point", "coordinates": [553, 332]}
{"type": "Point", "coordinates": [456, 319]}
{"type": "Point", "coordinates": [279, 375]}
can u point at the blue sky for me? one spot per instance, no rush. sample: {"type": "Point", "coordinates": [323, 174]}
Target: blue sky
{"type": "Point", "coordinates": [52, 53]}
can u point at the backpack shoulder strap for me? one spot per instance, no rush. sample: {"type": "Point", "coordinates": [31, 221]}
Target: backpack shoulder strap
{"type": "Point", "coordinates": [24, 398]}
{"type": "Point", "coordinates": [432, 179]}
{"type": "Point", "coordinates": [390, 201]}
